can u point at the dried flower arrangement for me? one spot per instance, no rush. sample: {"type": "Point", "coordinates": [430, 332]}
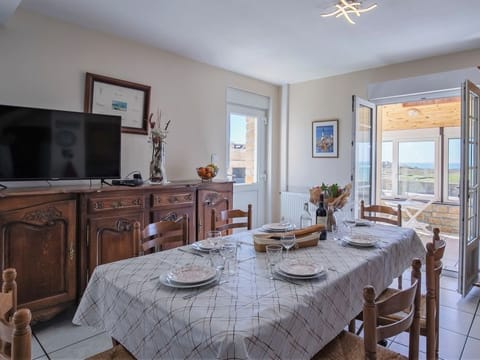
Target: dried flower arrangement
{"type": "Point", "coordinates": [333, 195]}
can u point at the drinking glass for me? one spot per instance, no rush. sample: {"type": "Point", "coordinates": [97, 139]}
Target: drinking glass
{"type": "Point", "coordinates": [274, 256]}
{"type": "Point", "coordinates": [214, 237]}
{"type": "Point", "coordinates": [287, 240]}
{"type": "Point", "coordinates": [216, 259]}
{"type": "Point", "coordinates": [229, 252]}
{"type": "Point", "coordinates": [336, 232]}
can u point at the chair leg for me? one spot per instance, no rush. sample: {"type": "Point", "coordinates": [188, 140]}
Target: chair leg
{"type": "Point", "coordinates": [351, 326]}
{"type": "Point", "coordinates": [400, 280]}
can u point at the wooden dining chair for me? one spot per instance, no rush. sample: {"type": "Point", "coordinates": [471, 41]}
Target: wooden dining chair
{"type": "Point", "coordinates": [15, 332]}
{"type": "Point", "coordinates": [350, 346]}
{"type": "Point", "coordinates": [384, 214]}
{"type": "Point", "coordinates": [381, 213]}
{"type": "Point", "coordinates": [227, 220]}
{"type": "Point", "coordinates": [161, 235]}
{"type": "Point", "coordinates": [117, 352]}
{"type": "Point", "coordinates": [430, 301]}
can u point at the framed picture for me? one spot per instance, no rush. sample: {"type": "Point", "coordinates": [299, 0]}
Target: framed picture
{"type": "Point", "coordinates": [106, 95]}
{"type": "Point", "coordinates": [325, 138]}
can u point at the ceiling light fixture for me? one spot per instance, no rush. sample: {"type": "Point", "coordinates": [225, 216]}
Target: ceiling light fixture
{"type": "Point", "coordinates": [347, 8]}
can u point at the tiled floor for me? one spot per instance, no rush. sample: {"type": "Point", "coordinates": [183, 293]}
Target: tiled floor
{"type": "Point", "coordinates": [459, 331]}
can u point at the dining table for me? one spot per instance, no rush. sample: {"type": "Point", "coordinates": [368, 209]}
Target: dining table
{"type": "Point", "coordinates": [248, 314]}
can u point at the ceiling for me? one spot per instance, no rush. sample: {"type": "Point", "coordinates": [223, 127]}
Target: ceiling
{"type": "Point", "coordinates": [281, 41]}
{"type": "Point", "coordinates": [422, 114]}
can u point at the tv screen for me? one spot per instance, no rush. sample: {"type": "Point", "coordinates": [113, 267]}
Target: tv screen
{"type": "Point", "coordinates": [41, 144]}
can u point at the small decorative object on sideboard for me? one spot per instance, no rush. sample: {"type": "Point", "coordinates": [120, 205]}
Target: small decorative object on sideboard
{"type": "Point", "coordinates": [207, 173]}
{"type": "Point", "coordinates": [158, 136]}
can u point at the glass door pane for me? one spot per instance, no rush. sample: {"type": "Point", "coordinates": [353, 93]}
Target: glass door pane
{"type": "Point", "coordinates": [243, 148]}
{"type": "Point", "coordinates": [364, 152]}
{"type": "Point", "coordinates": [453, 168]}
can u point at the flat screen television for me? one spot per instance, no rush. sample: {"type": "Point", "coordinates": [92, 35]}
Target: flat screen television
{"type": "Point", "coordinates": [41, 144]}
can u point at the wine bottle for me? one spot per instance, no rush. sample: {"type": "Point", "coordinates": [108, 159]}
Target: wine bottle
{"type": "Point", "coordinates": [305, 218]}
{"type": "Point", "coordinates": [322, 218]}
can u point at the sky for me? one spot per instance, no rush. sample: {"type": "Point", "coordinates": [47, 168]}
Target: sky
{"type": "Point", "coordinates": [420, 151]}
{"type": "Point", "coordinates": [238, 129]}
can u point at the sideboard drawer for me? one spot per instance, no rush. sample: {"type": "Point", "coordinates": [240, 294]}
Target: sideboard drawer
{"type": "Point", "coordinates": [168, 199]}
{"type": "Point", "coordinates": [96, 205]}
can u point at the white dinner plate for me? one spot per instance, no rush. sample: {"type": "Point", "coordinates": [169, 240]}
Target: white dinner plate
{"type": "Point", "coordinates": [167, 282]}
{"type": "Point", "coordinates": [363, 222]}
{"type": "Point", "coordinates": [197, 247]}
{"type": "Point", "coordinates": [277, 227]}
{"type": "Point", "coordinates": [289, 276]}
{"type": "Point", "coordinates": [299, 268]}
{"type": "Point", "coordinates": [360, 242]}
{"type": "Point", "coordinates": [191, 274]}
{"type": "Point", "coordinates": [205, 245]}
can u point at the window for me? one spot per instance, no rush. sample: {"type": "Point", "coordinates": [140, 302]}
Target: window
{"type": "Point", "coordinates": [411, 164]}
{"type": "Point", "coordinates": [416, 168]}
{"type": "Point", "coordinates": [387, 175]}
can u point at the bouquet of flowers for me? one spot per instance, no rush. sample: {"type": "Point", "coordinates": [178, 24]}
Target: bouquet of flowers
{"type": "Point", "coordinates": [333, 195]}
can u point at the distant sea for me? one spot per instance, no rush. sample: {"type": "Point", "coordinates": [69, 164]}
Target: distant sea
{"type": "Point", "coordinates": [452, 166]}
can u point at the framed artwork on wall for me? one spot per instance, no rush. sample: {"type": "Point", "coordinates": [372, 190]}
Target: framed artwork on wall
{"type": "Point", "coordinates": [131, 101]}
{"type": "Point", "coordinates": [325, 138]}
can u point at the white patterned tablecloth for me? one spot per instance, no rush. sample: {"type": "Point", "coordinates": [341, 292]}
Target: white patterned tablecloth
{"type": "Point", "coordinates": [250, 316]}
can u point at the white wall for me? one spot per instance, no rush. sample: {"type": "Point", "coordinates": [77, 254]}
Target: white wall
{"type": "Point", "coordinates": [331, 98]}
{"type": "Point", "coordinates": [43, 63]}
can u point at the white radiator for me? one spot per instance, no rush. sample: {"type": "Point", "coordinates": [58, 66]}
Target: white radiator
{"type": "Point", "coordinates": [291, 206]}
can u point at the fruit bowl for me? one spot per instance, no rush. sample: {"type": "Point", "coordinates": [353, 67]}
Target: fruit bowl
{"type": "Point", "coordinates": [207, 173]}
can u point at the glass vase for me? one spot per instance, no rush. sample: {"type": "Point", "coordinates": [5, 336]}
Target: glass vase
{"type": "Point", "coordinates": [157, 164]}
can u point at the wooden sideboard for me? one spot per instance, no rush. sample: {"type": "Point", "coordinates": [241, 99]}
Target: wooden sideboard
{"type": "Point", "coordinates": [55, 237]}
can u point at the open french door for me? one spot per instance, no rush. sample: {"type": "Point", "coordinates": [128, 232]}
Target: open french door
{"type": "Point", "coordinates": [469, 188]}
{"type": "Point", "coordinates": [363, 152]}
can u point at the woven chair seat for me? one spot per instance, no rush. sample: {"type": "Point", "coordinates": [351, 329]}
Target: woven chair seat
{"type": "Point", "coordinates": [350, 346]}
{"type": "Point", "coordinates": [116, 352]}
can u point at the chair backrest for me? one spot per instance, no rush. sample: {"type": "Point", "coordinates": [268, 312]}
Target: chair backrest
{"type": "Point", "coordinates": [161, 235]}
{"type": "Point", "coordinates": [224, 221]}
{"type": "Point", "coordinates": [433, 269]}
{"type": "Point", "coordinates": [407, 300]}
{"type": "Point", "coordinates": [381, 213]}
{"type": "Point", "coordinates": [15, 332]}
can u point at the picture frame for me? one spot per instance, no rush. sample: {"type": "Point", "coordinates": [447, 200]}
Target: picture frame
{"type": "Point", "coordinates": [325, 139]}
{"type": "Point", "coordinates": [110, 96]}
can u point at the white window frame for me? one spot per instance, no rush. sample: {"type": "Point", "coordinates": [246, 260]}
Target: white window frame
{"type": "Point", "coordinates": [397, 136]}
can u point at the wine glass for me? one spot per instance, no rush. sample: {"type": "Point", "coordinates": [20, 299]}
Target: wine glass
{"type": "Point", "coordinates": [287, 240]}
{"type": "Point", "coordinates": [274, 256]}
